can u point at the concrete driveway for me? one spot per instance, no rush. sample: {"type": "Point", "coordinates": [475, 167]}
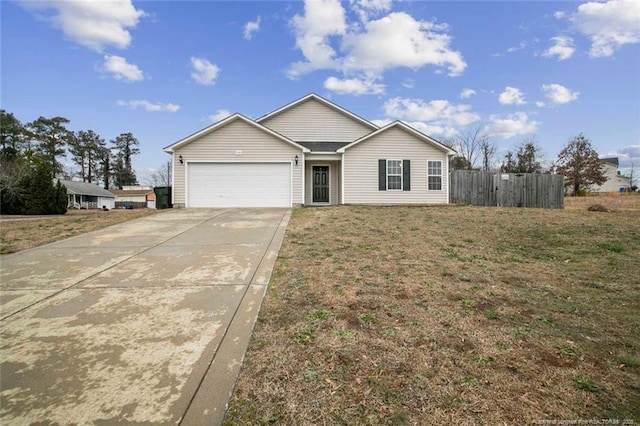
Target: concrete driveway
{"type": "Point", "coordinates": [142, 322]}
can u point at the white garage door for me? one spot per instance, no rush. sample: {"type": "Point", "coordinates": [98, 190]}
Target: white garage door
{"type": "Point", "coordinates": [239, 185]}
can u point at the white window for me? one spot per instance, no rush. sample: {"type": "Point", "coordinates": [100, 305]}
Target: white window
{"type": "Point", "coordinates": [394, 174]}
{"type": "Point", "coordinates": [434, 175]}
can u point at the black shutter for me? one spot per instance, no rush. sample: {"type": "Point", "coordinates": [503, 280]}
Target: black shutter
{"type": "Point", "coordinates": [382, 175]}
{"type": "Point", "coordinates": [406, 175]}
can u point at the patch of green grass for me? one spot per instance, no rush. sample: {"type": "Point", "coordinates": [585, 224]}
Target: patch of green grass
{"type": "Point", "coordinates": [400, 417]}
{"type": "Point", "coordinates": [502, 346]}
{"type": "Point", "coordinates": [544, 320]}
{"type": "Point", "coordinates": [628, 360]}
{"type": "Point", "coordinates": [614, 247]}
{"type": "Point", "coordinates": [468, 303]}
{"type": "Point", "coordinates": [470, 381]}
{"type": "Point", "coordinates": [305, 337]}
{"type": "Point", "coordinates": [586, 384]}
{"type": "Point", "coordinates": [311, 375]}
{"type": "Point", "coordinates": [483, 359]}
{"type": "Point", "coordinates": [572, 351]}
{"type": "Point", "coordinates": [367, 318]}
{"type": "Point", "coordinates": [319, 315]}
{"type": "Point", "coordinates": [492, 315]}
{"type": "Point", "coordinates": [389, 332]}
{"type": "Point", "coordinates": [345, 334]}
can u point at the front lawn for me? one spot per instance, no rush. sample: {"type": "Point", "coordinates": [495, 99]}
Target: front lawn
{"type": "Point", "coordinates": [448, 315]}
{"type": "Point", "coordinates": [24, 232]}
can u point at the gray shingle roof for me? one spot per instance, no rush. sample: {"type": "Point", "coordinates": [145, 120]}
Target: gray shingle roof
{"type": "Point", "coordinates": [611, 160]}
{"type": "Point", "coordinates": [84, 188]}
{"type": "Point", "coordinates": [323, 146]}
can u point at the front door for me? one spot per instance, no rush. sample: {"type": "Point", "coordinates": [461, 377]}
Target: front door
{"type": "Point", "coordinates": [320, 184]}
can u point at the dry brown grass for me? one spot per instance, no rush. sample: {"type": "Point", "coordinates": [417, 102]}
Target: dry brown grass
{"type": "Point", "coordinates": [615, 202]}
{"type": "Point", "coordinates": [33, 231]}
{"type": "Point", "coordinates": [448, 315]}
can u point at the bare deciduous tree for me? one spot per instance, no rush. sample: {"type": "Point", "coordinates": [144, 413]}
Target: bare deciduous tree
{"type": "Point", "coordinates": [631, 174]}
{"type": "Point", "coordinates": [161, 176]}
{"type": "Point", "coordinates": [487, 153]}
{"type": "Point", "coordinates": [469, 143]}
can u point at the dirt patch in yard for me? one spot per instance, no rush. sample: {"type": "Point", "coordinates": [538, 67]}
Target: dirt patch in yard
{"type": "Point", "coordinates": [24, 232]}
{"type": "Point", "coordinates": [448, 315]}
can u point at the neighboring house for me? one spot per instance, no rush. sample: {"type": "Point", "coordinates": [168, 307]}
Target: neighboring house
{"type": "Point", "coordinates": [309, 152]}
{"type": "Point", "coordinates": [84, 195]}
{"type": "Point", "coordinates": [615, 181]}
{"type": "Point", "coordinates": [135, 196]}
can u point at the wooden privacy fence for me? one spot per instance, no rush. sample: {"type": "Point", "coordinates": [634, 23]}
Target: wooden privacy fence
{"type": "Point", "coordinates": [507, 189]}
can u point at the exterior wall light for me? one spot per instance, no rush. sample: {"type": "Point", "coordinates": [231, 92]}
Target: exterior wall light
{"type": "Point", "coordinates": [296, 159]}
{"type": "Point", "coordinates": [181, 160]}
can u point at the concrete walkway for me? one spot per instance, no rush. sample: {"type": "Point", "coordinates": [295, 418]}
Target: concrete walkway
{"type": "Point", "coordinates": [142, 322]}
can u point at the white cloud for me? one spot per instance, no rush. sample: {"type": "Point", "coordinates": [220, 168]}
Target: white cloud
{"type": "Point", "coordinates": [559, 14]}
{"type": "Point", "coordinates": [467, 93]}
{"type": "Point", "coordinates": [204, 72]}
{"type": "Point", "coordinates": [627, 155]}
{"type": "Point", "coordinates": [540, 104]}
{"type": "Point", "coordinates": [520, 46]}
{"type": "Point", "coordinates": [221, 114]}
{"type": "Point", "coordinates": [609, 25]}
{"type": "Point", "coordinates": [435, 117]}
{"type": "Point", "coordinates": [251, 27]}
{"type": "Point", "coordinates": [422, 127]}
{"type": "Point", "coordinates": [398, 40]}
{"type": "Point", "coordinates": [353, 86]}
{"type": "Point", "coordinates": [511, 96]}
{"type": "Point", "coordinates": [149, 106]}
{"type": "Point", "coordinates": [512, 49]}
{"type": "Point", "coordinates": [562, 47]}
{"type": "Point", "coordinates": [512, 125]}
{"type": "Point", "coordinates": [367, 8]}
{"type": "Point", "coordinates": [321, 19]}
{"type": "Point", "coordinates": [559, 94]}
{"type": "Point", "coordinates": [427, 129]}
{"type": "Point", "coordinates": [409, 83]}
{"type": "Point", "coordinates": [382, 122]}
{"type": "Point", "coordinates": [94, 24]}
{"type": "Point", "coordinates": [395, 40]}
{"type": "Point", "coordinates": [121, 69]}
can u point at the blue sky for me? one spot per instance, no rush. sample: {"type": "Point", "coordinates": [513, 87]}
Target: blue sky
{"type": "Point", "coordinates": [164, 69]}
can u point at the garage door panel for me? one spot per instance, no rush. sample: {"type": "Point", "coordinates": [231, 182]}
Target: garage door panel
{"type": "Point", "coordinates": [239, 185]}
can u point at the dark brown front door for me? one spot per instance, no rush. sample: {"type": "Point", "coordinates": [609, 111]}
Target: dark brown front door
{"type": "Point", "coordinates": [320, 184]}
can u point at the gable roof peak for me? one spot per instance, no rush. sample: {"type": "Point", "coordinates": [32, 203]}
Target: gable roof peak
{"type": "Point", "coordinates": [404, 126]}
{"type": "Point", "coordinates": [321, 100]}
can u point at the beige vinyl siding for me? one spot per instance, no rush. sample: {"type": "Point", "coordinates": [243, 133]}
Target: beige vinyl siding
{"type": "Point", "coordinates": [361, 169]}
{"type": "Point", "coordinates": [312, 121]}
{"type": "Point", "coordinates": [221, 145]}
{"type": "Point", "coordinates": [614, 180]}
{"type": "Point", "coordinates": [334, 181]}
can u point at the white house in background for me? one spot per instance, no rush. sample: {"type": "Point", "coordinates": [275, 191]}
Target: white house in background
{"type": "Point", "coordinates": [309, 152]}
{"type": "Point", "coordinates": [615, 181]}
{"type": "Point", "coordinates": [84, 195]}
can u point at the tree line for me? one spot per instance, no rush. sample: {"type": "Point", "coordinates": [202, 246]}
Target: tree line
{"type": "Point", "coordinates": [31, 157]}
{"type": "Point", "coordinates": [578, 161]}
